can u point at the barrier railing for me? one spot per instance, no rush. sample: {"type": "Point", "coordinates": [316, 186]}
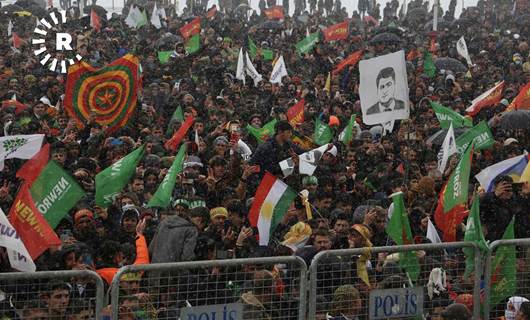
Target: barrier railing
{"type": "Point", "coordinates": [278, 287]}
{"type": "Point", "coordinates": [338, 287]}
{"type": "Point", "coordinates": [257, 288]}
{"type": "Point", "coordinates": [51, 294]}
{"type": "Point", "coordinates": [507, 273]}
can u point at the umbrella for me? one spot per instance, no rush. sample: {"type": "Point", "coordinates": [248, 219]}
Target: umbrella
{"type": "Point", "coordinates": [442, 24]}
{"type": "Point", "coordinates": [271, 25]}
{"type": "Point", "coordinates": [243, 7]}
{"type": "Point", "coordinates": [395, 30]}
{"type": "Point", "coordinates": [417, 14]}
{"type": "Point", "coordinates": [518, 119]}
{"type": "Point", "coordinates": [438, 137]}
{"type": "Point", "coordinates": [450, 64]}
{"type": "Point", "coordinates": [11, 8]}
{"type": "Point", "coordinates": [36, 10]}
{"type": "Point", "coordinates": [386, 37]}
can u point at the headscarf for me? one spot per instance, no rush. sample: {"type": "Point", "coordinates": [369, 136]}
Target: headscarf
{"type": "Point", "coordinates": [516, 302]}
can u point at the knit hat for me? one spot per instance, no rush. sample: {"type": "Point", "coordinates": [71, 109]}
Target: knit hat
{"type": "Point", "coordinates": [83, 213]}
{"type": "Point", "coordinates": [309, 180]}
{"type": "Point", "coordinates": [219, 211]}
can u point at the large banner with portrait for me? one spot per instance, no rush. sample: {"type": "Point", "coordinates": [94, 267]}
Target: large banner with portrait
{"type": "Point", "coordinates": [383, 89]}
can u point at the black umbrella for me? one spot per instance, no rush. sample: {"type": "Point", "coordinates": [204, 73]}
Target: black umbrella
{"type": "Point", "coordinates": [10, 8]}
{"type": "Point", "coordinates": [442, 24]}
{"type": "Point", "coordinates": [417, 14]}
{"type": "Point", "coordinates": [385, 38]}
{"type": "Point", "coordinates": [36, 10]}
{"type": "Point", "coordinates": [395, 30]}
{"type": "Point", "coordinates": [450, 64]}
{"type": "Point", "coordinates": [518, 119]}
{"type": "Point", "coordinates": [438, 137]}
{"type": "Point", "coordinates": [243, 7]}
{"type": "Point", "coordinates": [271, 25]}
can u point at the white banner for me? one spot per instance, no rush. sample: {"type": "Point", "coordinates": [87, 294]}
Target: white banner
{"type": "Point", "coordinates": [383, 90]}
{"type": "Point", "coordinates": [19, 146]}
{"type": "Point", "coordinates": [240, 70]}
{"type": "Point", "coordinates": [251, 71]}
{"type": "Point", "coordinates": [19, 257]}
{"type": "Point", "coordinates": [279, 71]}
{"type": "Point", "coordinates": [461, 47]}
{"type": "Point", "coordinates": [448, 149]}
{"type": "Point", "coordinates": [307, 161]}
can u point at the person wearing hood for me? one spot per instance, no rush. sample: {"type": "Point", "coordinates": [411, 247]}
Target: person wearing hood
{"type": "Point", "coordinates": [513, 306]}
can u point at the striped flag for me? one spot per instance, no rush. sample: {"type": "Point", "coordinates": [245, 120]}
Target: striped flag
{"type": "Point", "coordinates": [489, 98]}
{"type": "Point", "coordinates": [271, 202]}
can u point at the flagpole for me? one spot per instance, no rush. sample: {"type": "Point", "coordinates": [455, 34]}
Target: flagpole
{"type": "Point", "coordinates": [435, 17]}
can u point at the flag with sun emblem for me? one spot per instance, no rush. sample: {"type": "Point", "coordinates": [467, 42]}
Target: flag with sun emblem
{"type": "Point", "coordinates": [271, 202]}
{"type": "Point", "coordinates": [109, 94]}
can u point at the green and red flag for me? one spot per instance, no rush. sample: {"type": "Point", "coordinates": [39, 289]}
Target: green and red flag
{"type": "Point", "coordinates": [193, 44]}
{"type": "Point", "coordinates": [113, 179]}
{"type": "Point", "coordinates": [398, 229]}
{"type": "Point", "coordinates": [31, 226]}
{"type": "Point", "coordinates": [32, 168]}
{"type": "Point", "coordinates": [272, 200]}
{"type": "Point", "coordinates": [473, 234]}
{"type": "Point", "coordinates": [295, 114]}
{"type": "Point", "coordinates": [55, 192]}
{"type": "Point", "coordinates": [162, 196]}
{"type": "Point", "coordinates": [446, 116]}
{"type": "Point", "coordinates": [452, 202]}
{"type": "Point", "coordinates": [323, 133]}
{"type": "Point", "coordinates": [108, 93]}
{"type": "Point", "coordinates": [264, 133]}
{"type": "Point", "coordinates": [177, 137]}
{"type": "Point", "coordinates": [503, 270]}
{"type": "Point", "coordinates": [336, 32]}
{"type": "Point", "coordinates": [191, 29]}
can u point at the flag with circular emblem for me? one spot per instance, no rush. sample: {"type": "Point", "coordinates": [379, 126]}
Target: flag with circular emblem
{"type": "Point", "coordinates": [108, 93]}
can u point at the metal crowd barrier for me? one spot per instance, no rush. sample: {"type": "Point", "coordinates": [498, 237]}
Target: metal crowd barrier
{"type": "Point", "coordinates": [336, 286]}
{"type": "Point", "coordinates": [278, 288]}
{"type": "Point", "coordinates": [51, 294]}
{"type": "Point", "coordinates": [258, 289]}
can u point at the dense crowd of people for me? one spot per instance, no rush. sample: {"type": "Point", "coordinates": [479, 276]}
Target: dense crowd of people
{"type": "Point", "coordinates": [208, 216]}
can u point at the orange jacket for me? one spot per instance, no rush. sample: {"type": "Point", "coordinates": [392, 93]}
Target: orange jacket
{"type": "Point", "coordinates": [142, 257]}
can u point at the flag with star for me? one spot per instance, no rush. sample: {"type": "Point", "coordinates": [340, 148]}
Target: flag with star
{"type": "Point", "coordinates": [107, 94]}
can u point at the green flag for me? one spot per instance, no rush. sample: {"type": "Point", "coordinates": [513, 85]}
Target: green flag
{"type": "Point", "coordinates": [456, 189]}
{"type": "Point", "coordinates": [163, 56]}
{"type": "Point", "coordinates": [473, 234]}
{"type": "Point", "coordinates": [323, 133]}
{"type": "Point", "coordinates": [268, 55]}
{"type": "Point", "coordinates": [398, 229]}
{"type": "Point", "coordinates": [252, 48]}
{"type": "Point", "coordinates": [55, 192]}
{"type": "Point", "coordinates": [503, 270]}
{"type": "Point", "coordinates": [194, 44]}
{"type": "Point", "coordinates": [178, 114]}
{"type": "Point", "coordinates": [480, 135]}
{"type": "Point", "coordinates": [446, 116]}
{"type": "Point", "coordinates": [162, 196]}
{"type": "Point", "coordinates": [307, 43]}
{"type": "Point", "coordinates": [428, 65]}
{"type": "Point", "coordinates": [113, 179]}
{"type": "Point", "coordinates": [143, 20]}
{"type": "Point", "coordinates": [264, 133]}
{"type": "Point", "coordinates": [346, 136]}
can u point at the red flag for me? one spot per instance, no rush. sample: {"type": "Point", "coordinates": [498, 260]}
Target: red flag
{"type": "Point", "coordinates": [413, 54]}
{"type": "Point", "coordinates": [33, 167]}
{"type": "Point", "coordinates": [295, 114]}
{"type": "Point", "coordinates": [17, 41]}
{"type": "Point", "coordinates": [212, 12]}
{"type": "Point", "coordinates": [175, 140]}
{"type": "Point", "coordinates": [95, 20]}
{"type": "Point", "coordinates": [336, 32]}
{"type": "Point", "coordinates": [522, 101]}
{"type": "Point", "coordinates": [19, 106]}
{"type": "Point", "coordinates": [275, 12]}
{"type": "Point", "coordinates": [31, 226]}
{"type": "Point", "coordinates": [352, 59]}
{"type": "Point", "coordinates": [191, 29]}
{"type": "Point", "coordinates": [489, 98]}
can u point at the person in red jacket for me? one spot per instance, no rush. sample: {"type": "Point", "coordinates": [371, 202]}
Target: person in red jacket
{"type": "Point", "coordinates": [111, 258]}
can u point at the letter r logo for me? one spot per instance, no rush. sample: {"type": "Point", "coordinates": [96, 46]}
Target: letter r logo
{"type": "Point", "coordinates": [63, 40]}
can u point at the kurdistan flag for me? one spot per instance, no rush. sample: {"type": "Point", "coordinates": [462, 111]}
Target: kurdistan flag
{"type": "Point", "coordinates": [162, 196]}
{"type": "Point", "coordinates": [398, 229]}
{"type": "Point", "coordinates": [55, 192]}
{"type": "Point", "coordinates": [272, 200]}
{"type": "Point", "coordinates": [113, 179]}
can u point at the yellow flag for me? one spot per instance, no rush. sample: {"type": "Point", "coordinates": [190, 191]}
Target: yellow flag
{"type": "Point", "coordinates": [525, 177]}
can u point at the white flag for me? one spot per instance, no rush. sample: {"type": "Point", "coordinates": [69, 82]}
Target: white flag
{"type": "Point", "coordinates": [461, 47]}
{"type": "Point", "coordinates": [279, 71]}
{"type": "Point", "coordinates": [155, 18]}
{"type": "Point", "coordinates": [9, 28]}
{"type": "Point", "coordinates": [307, 161]}
{"type": "Point", "coordinates": [448, 148]}
{"type": "Point", "coordinates": [131, 19]}
{"type": "Point", "coordinates": [432, 233]}
{"type": "Point", "coordinates": [240, 70]}
{"type": "Point", "coordinates": [19, 257]}
{"type": "Point", "coordinates": [162, 13]}
{"type": "Point", "coordinates": [19, 146]}
{"type": "Point", "coordinates": [251, 71]}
